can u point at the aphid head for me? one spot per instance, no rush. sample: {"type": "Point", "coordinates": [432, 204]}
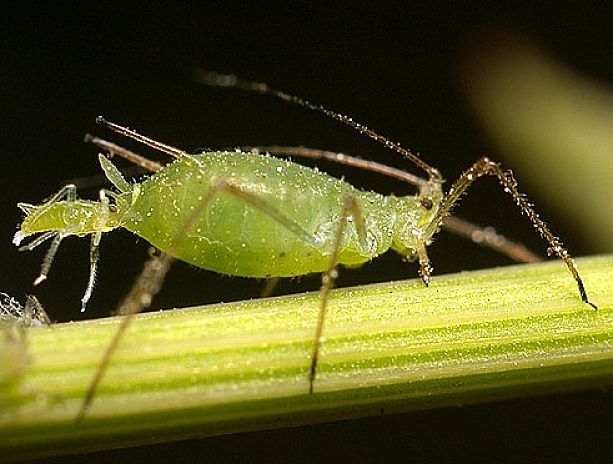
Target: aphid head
{"type": "Point", "coordinates": [415, 214]}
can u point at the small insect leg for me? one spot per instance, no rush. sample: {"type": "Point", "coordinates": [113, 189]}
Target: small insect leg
{"type": "Point", "coordinates": [485, 166]}
{"type": "Point", "coordinates": [350, 209]}
{"type": "Point", "coordinates": [48, 259]}
{"type": "Point", "coordinates": [425, 266]}
{"type": "Point", "coordinates": [147, 285]}
{"type": "Point", "coordinates": [37, 241]}
{"type": "Point", "coordinates": [94, 250]}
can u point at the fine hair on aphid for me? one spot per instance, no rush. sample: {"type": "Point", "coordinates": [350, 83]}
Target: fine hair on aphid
{"type": "Point", "coordinates": [251, 214]}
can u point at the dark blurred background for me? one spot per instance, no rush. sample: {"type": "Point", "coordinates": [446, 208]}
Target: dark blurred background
{"type": "Point", "coordinates": [392, 65]}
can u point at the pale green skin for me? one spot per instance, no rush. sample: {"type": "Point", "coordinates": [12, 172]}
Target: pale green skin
{"type": "Point", "coordinates": [231, 236]}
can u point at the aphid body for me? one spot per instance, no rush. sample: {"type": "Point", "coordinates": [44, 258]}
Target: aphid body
{"type": "Point", "coordinates": [234, 237]}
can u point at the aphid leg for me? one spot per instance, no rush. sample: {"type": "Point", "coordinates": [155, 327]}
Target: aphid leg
{"type": "Point", "coordinates": [38, 241]}
{"type": "Point", "coordinates": [484, 236]}
{"type": "Point", "coordinates": [488, 237]}
{"type": "Point", "coordinates": [48, 259]}
{"type": "Point", "coordinates": [485, 166]}
{"type": "Point", "coordinates": [350, 212]}
{"type": "Point", "coordinates": [141, 294]}
{"type": "Point", "coordinates": [94, 249]}
{"type": "Point", "coordinates": [425, 266]}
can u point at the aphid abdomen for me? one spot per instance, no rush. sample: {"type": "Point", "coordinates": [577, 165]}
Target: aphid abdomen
{"type": "Point", "coordinates": [232, 237]}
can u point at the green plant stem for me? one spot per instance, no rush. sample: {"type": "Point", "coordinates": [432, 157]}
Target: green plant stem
{"type": "Point", "coordinates": [469, 337]}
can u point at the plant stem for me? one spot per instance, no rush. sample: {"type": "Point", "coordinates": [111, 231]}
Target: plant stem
{"type": "Point", "coordinates": [469, 337]}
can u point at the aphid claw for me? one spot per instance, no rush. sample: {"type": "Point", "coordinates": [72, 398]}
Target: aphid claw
{"type": "Point", "coordinates": [40, 279]}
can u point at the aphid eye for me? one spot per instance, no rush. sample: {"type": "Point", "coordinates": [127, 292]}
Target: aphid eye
{"type": "Point", "coordinates": [113, 208]}
{"type": "Point", "coordinates": [427, 203]}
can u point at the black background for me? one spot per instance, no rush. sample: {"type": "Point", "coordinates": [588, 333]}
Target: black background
{"type": "Point", "coordinates": [392, 65]}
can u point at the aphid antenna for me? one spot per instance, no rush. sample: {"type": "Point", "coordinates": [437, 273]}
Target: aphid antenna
{"type": "Point", "coordinates": [213, 79]}
{"type": "Point", "coordinates": [127, 132]}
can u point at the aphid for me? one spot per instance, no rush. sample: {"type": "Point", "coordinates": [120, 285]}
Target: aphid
{"type": "Point", "coordinates": [255, 215]}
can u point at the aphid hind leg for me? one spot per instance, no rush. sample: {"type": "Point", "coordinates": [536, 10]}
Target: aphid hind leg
{"type": "Point", "coordinates": [484, 166]}
{"type": "Point", "coordinates": [350, 211]}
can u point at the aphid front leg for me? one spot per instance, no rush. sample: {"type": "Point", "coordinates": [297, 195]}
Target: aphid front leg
{"type": "Point", "coordinates": [350, 211]}
{"type": "Point", "coordinates": [94, 249]}
{"type": "Point", "coordinates": [425, 266]}
{"type": "Point", "coordinates": [485, 166]}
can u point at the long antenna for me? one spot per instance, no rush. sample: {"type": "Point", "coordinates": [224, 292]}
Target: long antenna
{"type": "Point", "coordinates": [214, 79]}
{"type": "Point", "coordinates": [164, 148]}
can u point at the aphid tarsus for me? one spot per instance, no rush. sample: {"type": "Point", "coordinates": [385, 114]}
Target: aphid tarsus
{"type": "Point", "coordinates": [256, 215]}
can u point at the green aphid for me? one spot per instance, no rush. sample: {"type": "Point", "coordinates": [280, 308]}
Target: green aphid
{"type": "Point", "coordinates": [254, 215]}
